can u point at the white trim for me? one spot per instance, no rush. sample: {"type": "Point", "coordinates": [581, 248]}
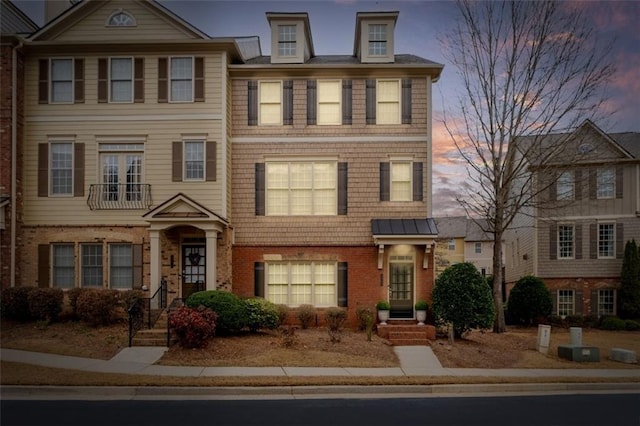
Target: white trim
{"type": "Point", "coordinates": [50, 80]}
{"type": "Point", "coordinates": [224, 137]}
{"type": "Point", "coordinates": [133, 117]}
{"type": "Point", "coordinates": [193, 78]}
{"type": "Point", "coordinates": [120, 12]}
{"type": "Point", "coordinates": [109, 98]}
{"type": "Point", "coordinates": [202, 141]}
{"type": "Point", "coordinates": [325, 139]}
{"type": "Point", "coordinates": [399, 116]}
{"type": "Point", "coordinates": [50, 168]}
{"type": "Point", "coordinates": [318, 84]}
{"type": "Point", "coordinates": [613, 240]}
{"type": "Point", "coordinates": [573, 241]}
{"type": "Point", "coordinates": [281, 83]}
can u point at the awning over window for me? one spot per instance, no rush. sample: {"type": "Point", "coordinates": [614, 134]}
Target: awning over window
{"type": "Point", "coordinates": [404, 231]}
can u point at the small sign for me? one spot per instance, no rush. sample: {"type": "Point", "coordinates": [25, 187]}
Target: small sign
{"type": "Point", "coordinates": [544, 336]}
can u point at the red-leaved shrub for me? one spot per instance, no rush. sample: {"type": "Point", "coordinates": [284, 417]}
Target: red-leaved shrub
{"type": "Point", "coordinates": [193, 326]}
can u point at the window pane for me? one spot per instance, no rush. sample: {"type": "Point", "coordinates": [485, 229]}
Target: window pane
{"type": "Point", "coordinates": [121, 69]}
{"type": "Point", "coordinates": [121, 266]}
{"type": "Point", "coordinates": [62, 80]}
{"type": "Point", "coordinates": [181, 68]}
{"type": "Point", "coordinates": [388, 91]}
{"type": "Point", "coordinates": [565, 241]}
{"type": "Point", "coordinates": [606, 302]}
{"type": "Point", "coordinates": [181, 79]}
{"type": "Point", "coordinates": [606, 240]}
{"type": "Point", "coordinates": [194, 160]}
{"type": "Point", "coordinates": [181, 90]}
{"type": "Point", "coordinates": [63, 266]}
{"type": "Point", "coordinates": [606, 183]}
{"type": "Point", "coordinates": [565, 186]}
{"type": "Point", "coordinates": [91, 265]}
{"type": "Point", "coordinates": [61, 91]}
{"type": "Point", "coordinates": [300, 284]}
{"type": "Point", "coordinates": [324, 284]}
{"type": "Point", "coordinates": [401, 181]}
{"type": "Point", "coordinates": [61, 168]}
{"type": "Point", "coordinates": [377, 39]}
{"type": "Point", "coordinates": [565, 302]}
{"type": "Point", "coordinates": [61, 69]}
{"type": "Point", "coordinates": [287, 40]}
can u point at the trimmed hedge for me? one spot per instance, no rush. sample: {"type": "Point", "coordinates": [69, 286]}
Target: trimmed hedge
{"type": "Point", "coordinates": [45, 304]}
{"type": "Point", "coordinates": [229, 307]}
{"type": "Point", "coordinates": [306, 315]}
{"type": "Point", "coordinates": [261, 314]}
{"type": "Point", "coordinates": [98, 307]}
{"type": "Point", "coordinates": [14, 303]}
{"type": "Point", "coordinates": [335, 319]}
{"type": "Point", "coordinates": [193, 327]}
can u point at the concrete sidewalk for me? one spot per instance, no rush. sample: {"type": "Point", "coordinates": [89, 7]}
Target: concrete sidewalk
{"type": "Point", "coordinates": [414, 361]}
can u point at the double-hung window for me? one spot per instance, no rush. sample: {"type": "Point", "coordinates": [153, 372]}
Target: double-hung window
{"type": "Point", "coordinates": [61, 81]}
{"type": "Point", "coordinates": [121, 171]}
{"type": "Point", "coordinates": [181, 79]}
{"type": "Point", "coordinates": [401, 180]}
{"type": "Point", "coordinates": [121, 80]}
{"type": "Point", "coordinates": [565, 241]}
{"type": "Point", "coordinates": [194, 160]}
{"type": "Point", "coordinates": [606, 241]}
{"type": "Point", "coordinates": [388, 102]}
{"type": "Point", "coordinates": [566, 302]}
{"type": "Point", "coordinates": [63, 265]}
{"type": "Point", "coordinates": [301, 188]}
{"type": "Point", "coordinates": [91, 265]}
{"type": "Point", "coordinates": [478, 248]}
{"type": "Point", "coordinates": [377, 40]}
{"type": "Point", "coordinates": [606, 181]}
{"type": "Point", "coordinates": [287, 40]}
{"type": "Point", "coordinates": [61, 168]}
{"type": "Point", "coordinates": [120, 266]}
{"type": "Point", "coordinates": [329, 102]}
{"type": "Point", "coordinates": [270, 102]}
{"type": "Point", "coordinates": [565, 186]}
{"type": "Point", "coordinates": [451, 244]}
{"type": "Point", "coordinates": [606, 302]}
{"type": "Point", "coordinates": [295, 284]}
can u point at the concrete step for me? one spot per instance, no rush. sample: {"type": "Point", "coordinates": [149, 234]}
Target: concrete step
{"type": "Point", "coordinates": [410, 342]}
{"type": "Point", "coordinates": [395, 335]}
{"type": "Point", "coordinates": [425, 331]}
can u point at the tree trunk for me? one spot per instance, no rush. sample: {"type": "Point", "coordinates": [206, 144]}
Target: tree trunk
{"type": "Point", "coordinates": [499, 325]}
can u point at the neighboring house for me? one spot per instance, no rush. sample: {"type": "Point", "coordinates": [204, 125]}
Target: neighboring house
{"type": "Point", "coordinates": [155, 151]}
{"type": "Point", "coordinates": [462, 239]}
{"type": "Point", "coordinates": [126, 153]}
{"type": "Point", "coordinates": [14, 25]}
{"type": "Point", "coordinates": [590, 207]}
{"type": "Point", "coordinates": [331, 170]}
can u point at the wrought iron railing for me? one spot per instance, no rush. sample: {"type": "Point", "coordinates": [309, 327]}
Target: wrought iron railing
{"type": "Point", "coordinates": [145, 311]}
{"type": "Point", "coordinates": [119, 196]}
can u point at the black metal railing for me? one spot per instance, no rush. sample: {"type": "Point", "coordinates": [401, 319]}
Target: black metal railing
{"type": "Point", "coordinates": [145, 311]}
{"type": "Point", "coordinates": [119, 196]}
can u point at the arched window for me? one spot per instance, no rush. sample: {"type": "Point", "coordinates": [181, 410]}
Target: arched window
{"type": "Point", "coordinates": [120, 18]}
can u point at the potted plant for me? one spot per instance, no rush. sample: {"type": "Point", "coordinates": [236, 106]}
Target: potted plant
{"type": "Point", "coordinates": [383, 307]}
{"type": "Point", "coordinates": [421, 311]}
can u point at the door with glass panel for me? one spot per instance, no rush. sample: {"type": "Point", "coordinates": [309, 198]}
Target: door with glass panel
{"type": "Point", "coordinates": [194, 269]}
{"type": "Point", "coordinates": [401, 289]}
{"type": "Point", "coordinates": [121, 172]}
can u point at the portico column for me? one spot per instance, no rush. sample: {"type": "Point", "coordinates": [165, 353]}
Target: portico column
{"type": "Point", "coordinates": [156, 260]}
{"type": "Point", "coordinates": [212, 243]}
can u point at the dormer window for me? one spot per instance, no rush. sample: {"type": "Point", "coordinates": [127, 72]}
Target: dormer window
{"type": "Point", "coordinates": [287, 40]}
{"type": "Point", "coordinates": [121, 18]}
{"type": "Point", "coordinates": [377, 40]}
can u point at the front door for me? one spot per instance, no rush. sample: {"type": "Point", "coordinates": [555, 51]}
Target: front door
{"type": "Point", "coordinates": [401, 290]}
{"type": "Point", "coordinates": [194, 267]}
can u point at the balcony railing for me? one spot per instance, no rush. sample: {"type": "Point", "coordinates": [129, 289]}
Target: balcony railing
{"type": "Point", "coordinates": [119, 196]}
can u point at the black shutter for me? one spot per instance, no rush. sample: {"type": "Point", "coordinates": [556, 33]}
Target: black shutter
{"type": "Point", "coordinates": [198, 83]}
{"type": "Point", "coordinates": [211, 161]}
{"type": "Point", "coordinates": [176, 161]}
{"type": "Point", "coordinates": [252, 103]}
{"type": "Point", "coordinates": [619, 240]}
{"type": "Point", "coordinates": [619, 180]}
{"type": "Point", "coordinates": [578, 248]}
{"type": "Point", "coordinates": [312, 100]}
{"type": "Point", "coordinates": [103, 83]}
{"type": "Point", "coordinates": [593, 184]}
{"type": "Point", "coordinates": [78, 170]}
{"type": "Point", "coordinates": [577, 179]}
{"type": "Point", "coordinates": [593, 241]}
{"type": "Point", "coordinates": [343, 284]}
{"type": "Point", "coordinates": [43, 265]}
{"type": "Point", "coordinates": [347, 102]}
{"type": "Point", "coordinates": [578, 302]}
{"type": "Point", "coordinates": [554, 302]}
{"type": "Point", "coordinates": [260, 189]}
{"type": "Point", "coordinates": [417, 181]}
{"type": "Point", "coordinates": [371, 101]}
{"type": "Point", "coordinates": [163, 80]}
{"type": "Point", "coordinates": [594, 302]}
{"type": "Point", "coordinates": [287, 100]}
{"type": "Point", "coordinates": [43, 81]}
{"type": "Point", "coordinates": [553, 187]}
{"type": "Point", "coordinates": [342, 188]}
{"type": "Point", "coordinates": [137, 266]}
{"type": "Point", "coordinates": [258, 279]}
{"type": "Point", "coordinates": [553, 241]}
{"type": "Point", "coordinates": [43, 170]}
{"type": "Point", "coordinates": [78, 80]}
{"type": "Point", "coordinates": [138, 80]}
{"type": "Point", "coordinates": [384, 181]}
{"type": "Point", "coordinates": [406, 101]}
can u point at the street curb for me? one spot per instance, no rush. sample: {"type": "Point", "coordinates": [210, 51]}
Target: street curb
{"type": "Point", "coordinates": [292, 392]}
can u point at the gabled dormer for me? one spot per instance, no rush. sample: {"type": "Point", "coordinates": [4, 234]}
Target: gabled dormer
{"type": "Point", "coordinates": [374, 37]}
{"type": "Point", "coordinates": [291, 41]}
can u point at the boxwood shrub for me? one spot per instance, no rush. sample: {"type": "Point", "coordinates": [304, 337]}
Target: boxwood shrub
{"type": "Point", "coordinates": [98, 307]}
{"type": "Point", "coordinates": [14, 303]}
{"type": "Point", "coordinates": [45, 304]}
{"type": "Point", "coordinates": [261, 314]}
{"type": "Point", "coordinates": [229, 307]}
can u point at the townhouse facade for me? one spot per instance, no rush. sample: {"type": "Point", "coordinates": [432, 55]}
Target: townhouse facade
{"type": "Point", "coordinates": [590, 208]}
{"type": "Point", "coordinates": [155, 152]}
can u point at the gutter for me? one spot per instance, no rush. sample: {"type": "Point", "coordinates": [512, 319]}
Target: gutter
{"type": "Point", "coordinates": [14, 159]}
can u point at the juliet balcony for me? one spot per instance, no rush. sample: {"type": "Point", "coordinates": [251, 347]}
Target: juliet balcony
{"type": "Point", "coordinates": [121, 196]}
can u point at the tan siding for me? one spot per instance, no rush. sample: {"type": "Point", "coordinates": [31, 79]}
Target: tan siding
{"type": "Point", "coordinates": [363, 194]}
{"type": "Point", "coordinates": [157, 166]}
{"type": "Point", "coordinates": [149, 25]}
{"type": "Point", "coordinates": [213, 92]}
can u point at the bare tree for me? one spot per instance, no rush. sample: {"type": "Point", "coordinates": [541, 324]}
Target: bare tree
{"type": "Point", "coordinates": [527, 68]}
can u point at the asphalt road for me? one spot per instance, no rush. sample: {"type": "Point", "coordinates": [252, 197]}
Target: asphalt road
{"type": "Point", "coordinates": [582, 410]}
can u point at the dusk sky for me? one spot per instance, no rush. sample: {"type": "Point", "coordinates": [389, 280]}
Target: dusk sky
{"type": "Point", "coordinates": [417, 30]}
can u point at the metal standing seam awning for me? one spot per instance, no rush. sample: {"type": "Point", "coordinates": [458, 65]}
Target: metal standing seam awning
{"type": "Point", "coordinates": [421, 231]}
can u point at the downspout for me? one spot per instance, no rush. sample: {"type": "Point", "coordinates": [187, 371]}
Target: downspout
{"type": "Point", "coordinates": [14, 158]}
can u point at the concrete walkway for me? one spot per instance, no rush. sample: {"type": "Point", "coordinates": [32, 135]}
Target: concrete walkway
{"type": "Point", "coordinates": [414, 361]}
